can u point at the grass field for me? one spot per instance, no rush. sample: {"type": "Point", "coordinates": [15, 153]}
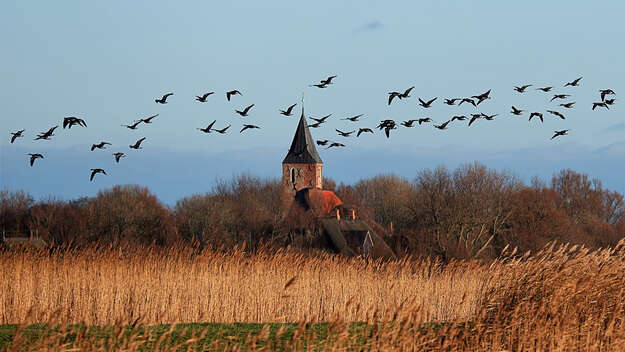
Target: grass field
{"type": "Point", "coordinates": [561, 299]}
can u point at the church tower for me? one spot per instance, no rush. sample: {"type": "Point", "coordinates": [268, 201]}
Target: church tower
{"type": "Point", "coordinates": [302, 166]}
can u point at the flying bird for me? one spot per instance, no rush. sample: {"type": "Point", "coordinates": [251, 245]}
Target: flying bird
{"type": "Point", "coordinates": [545, 89]}
{"type": "Point", "coordinates": [163, 100]}
{"type": "Point", "coordinates": [335, 144]}
{"type": "Point", "coordinates": [148, 120]}
{"type": "Point", "coordinates": [481, 97]}
{"type": "Point", "coordinates": [451, 101]}
{"type": "Point", "coordinates": [118, 156]}
{"type": "Point", "coordinates": [516, 111]}
{"type": "Point", "coordinates": [426, 104]}
{"type": "Point", "coordinates": [386, 123]}
{"type": "Point", "coordinates": [137, 144]}
{"type": "Point", "coordinates": [409, 123]}
{"type": "Point", "coordinates": [208, 128]}
{"type": "Point", "coordinates": [538, 114]}
{"type": "Point", "coordinates": [319, 85]}
{"type": "Point", "coordinates": [605, 92]}
{"type": "Point", "coordinates": [344, 134]}
{"type": "Point", "coordinates": [34, 157]}
{"type": "Point", "coordinates": [245, 127]}
{"type": "Point", "coordinates": [557, 113]}
{"type": "Point", "coordinates": [406, 93]}
{"type": "Point", "coordinates": [467, 100]}
{"type": "Point", "coordinates": [320, 119]}
{"type": "Point", "coordinates": [459, 118]}
{"type": "Point", "coordinates": [245, 111]}
{"type": "Point", "coordinates": [443, 126]}
{"type": "Point", "coordinates": [474, 118]}
{"type": "Point", "coordinates": [46, 135]}
{"type": "Point", "coordinates": [610, 101]}
{"type": "Point", "coordinates": [73, 120]}
{"type": "Point", "coordinates": [202, 98]}
{"type": "Point", "coordinates": [134, 125]}
{"type": "Point", "coordinates": [315, 125]}
{"type": "Point", "coordinates": [223, 130]}
{"type": "Point", "coordinates": [230, 93]}
{"type": "Point", "coordinates": [322, 141]}
{"type": "Point", "coordinates": [353, 118]}
{"type": "Point", "coordinates": [387, 130]}
{"type": "Point", "coordinates": [559, 96]}
{"type": "Point", "coordinates": [392, 95]}
{"type": "Point", "coordinates": [522, 89]}
{"type": "Point", "coordinates": [15, 135]}
{"type": "Point", "coordinates": [96, 171]}
{"type": "Point", "coordinates": [488, 117]}
{"type": "Point", "coordinates": [328, 80]}
{"type": "Point", "coordinates": [101, 145]}
{"type": "Point", "coordinates": [568, 105]}
{"type": "Point", "coordinates": [288, 111]}
{"type": "Point", "coordinates": [601, 104]}
{"type": "Point", "coordinates": [425, 119]}
{"type": "Point", "coordinates": [363, 130]}
{"type": "Point", "coordinates": [574, 83]}
{"type": "Point", "coordinates": [560, 133]}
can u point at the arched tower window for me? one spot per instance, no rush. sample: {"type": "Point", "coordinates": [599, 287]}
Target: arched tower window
{"type": "Point", "coordinates": [293, 175]}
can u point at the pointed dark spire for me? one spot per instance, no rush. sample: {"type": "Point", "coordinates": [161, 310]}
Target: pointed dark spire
{"type": "Point", "coordinates": [302, 149]}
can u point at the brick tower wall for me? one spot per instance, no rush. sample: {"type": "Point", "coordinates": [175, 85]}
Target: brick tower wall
{"type": "Point", "coordinates": [306, 176]}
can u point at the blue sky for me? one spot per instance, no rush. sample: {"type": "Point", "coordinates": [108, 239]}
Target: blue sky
{"type": "Point", "coordinates": [107, 61]}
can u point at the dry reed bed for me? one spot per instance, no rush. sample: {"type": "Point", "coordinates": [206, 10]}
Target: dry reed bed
{"type": "Point", "coordinates": [104, 286]}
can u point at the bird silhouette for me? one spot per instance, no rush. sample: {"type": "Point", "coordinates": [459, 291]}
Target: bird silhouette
{"type": "Point", "coordinates": [46, 135]}
{"type": "Point", "coordinates": [202, 98]}
{"type": "Point", "coordinates": [451, 101]}
{"type": "Point", "coordinates": [96, 171]}
{"type": "Point", "coordinates": [560, 133]}
{"type": "Point", "coordinates": [320, 119]}
{"type": "Point", "coordinates": [315, 125]}
{"type": "Point", "coordinates": [230, 93]}
{"type": "Point", "coordinates": [474, 117]}
{"type": "Point", "coordinates": [335, 144]}
{"type": "Point", "coordinates": [101, 145]}
{"type": "Point", "coordinates": [467, 100]}
{"type": "Point", "coordinates": [363, 130]}
{"type": "Point", "coordinates": [288, 111]}
{"type": "Point", "coordinates": [73, 120]}
{"type": "Point", "coordinates": [481, 97]}
{"type": "Point", "coordinates": [516, 111]}
{"type": "Point", "coordinates": [208, 128]}
{"type": "Point", "coordinates": [319, 85]}
{"type": "Point", "coordinates": [388, 129]}
{"type": "Point", "coordinates": [15, 135]}
{"type": "Point", "coordinates": [424, 119]}
{"type": "Point", "coordinates": [574, 83]}
{"type": "Point", "coordinates": [148, 119]}
{"type": "Point", "coordinates": [133, 126]}
{"type": "Point", "coordinates": [328, 80]}
{"type": "Point", "coordinates": [559, 96]}
{"type": "Point", "coordinates": [246, 127]}
{"type": "Point", "coordinates": [557, 113]}
{"type": "Point", "coordinates": [322, 141]}
{"type": "Point", "coordinates": [605, 92]}
{"type": "Point", "coordinates": [538, 114]}
{"type": "Point", "coordinates": [489, 117]}
{"type": "Point", "coordinates": [443, 126]}
{"type": "Point", "coordinates": [33, 157]}
{"type": "Point", "coordinates": [163, 100]}
{"type": "Point", "coordinates": [353, 118]}
{"type": "Point", "coordinates": [393, 95]}
{"type": "Point", "coordinates": [610, 101]}
{"type": "Point", "coordinates": [244, 112]}
{"type": "Point", "coordinates": [426, 104]}
{"type": "Point", "coordinates": [568, 105]}
{"type": "Point", "coordinates": [459, 118]}
{"type": "Point", "coordinates": [601, 104]}
{"type": "Point", "coordinates": [118, 156]}
{"type": "Point", "coordinates": [344, 134]}
{"type": "Point", "coordinates": [137, 144]}
{"type": "Point", "coordinates": [409, 123]}
{"type": "Point", "coordinates": [522, 89]}
{"type": "Point", "coordinates": [406, 93]}
{"type": "Point", "coordinates": [223, 130]}
{"type": "Point", "coordinates": [545, 89]}
{"type": "Point", "coordinates": [386, 123]}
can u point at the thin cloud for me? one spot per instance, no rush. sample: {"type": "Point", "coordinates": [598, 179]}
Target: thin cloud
{"type": "Point", "coordinates": [369, 27]}
{"type": "Point", "coordinates": [617, 127]}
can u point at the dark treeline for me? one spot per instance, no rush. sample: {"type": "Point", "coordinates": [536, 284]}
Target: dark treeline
{"type": "Point", "coordinates": [470, 212]}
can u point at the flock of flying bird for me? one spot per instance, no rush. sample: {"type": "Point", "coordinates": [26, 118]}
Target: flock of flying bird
{"type": "Point", "coordinates": [387, 125]}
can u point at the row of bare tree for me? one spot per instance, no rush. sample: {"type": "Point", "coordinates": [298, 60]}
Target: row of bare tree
{"type": "Point", "coordinates": [470, 212]}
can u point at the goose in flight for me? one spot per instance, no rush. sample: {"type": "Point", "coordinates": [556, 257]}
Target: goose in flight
{"type": "Point", "coordinates": [15, 135]}
{"type": "Point", "coordinates": [319, 85]}
{"type": "Point", "coordinates": [557, 113]}
{"type": "Point", "coordinates": [133, 126]}
{"type": "Point", "coordinates": [443, 126]}
{"type": "Point", "coordinates": [137, 144]}
{"type": "Point", "coordinates": [163, 99]}
{"type": "Point", "coordinates": [467, 100]}
{"type": "Point", "coordinates": [481, 97]}
{"type": "Point", "coordinates": [288, 111]}
{"type": "Point", "coordinates": [568, 105]}
{"type": "Point", "coordinates": [451, 101]}
{"type": "Point", "coordinates": [601, 104]}
{"type": "Point", "coordinates": [320, 119]}
{"type": "Point", "coordinates": [230, 93]}
{"type": "Point", "coordinates": [522, 89]}
{"type": "Point", "coordinates": [344, 134]}
{"type": "Point", "coordinates": [545, 89]}
{"type": "Point", "coordinates": [73, 120]}
{"type": "Point", "coordinates": [96, 171]}
{"type": "Point", "coordinates": [489, 117]}
{"type": "Point", "coordinates": [426, 104]}
{"type": "Point", "coordinates": [353, 118]}
{"type": "Point", "coordinates": [33, 157]}
{"type": "Point", "coordinates": [538, 114]}
{"type": "Point", "coordinates": [516, 111]}
{"type": "Point", "coordinates": [202, 98]}
{"type": "Point", "coordinates": [315, 125]}
{"type": "Point", "coordinates": [559, 96]}
{"type": "Point", "coordinates": [148, 120]}
{"type": "Point", "coordinates": [46, 135]}
{"type": "Point", "coordinates": [363, 130]}
{"type": "Point", "coordinates": [474, 118]}
{"type": "Point", "coordinates": [560, 133]}
{"type": "Point", "coordinates": [245, 127]}
{"type": "Point", "coordinates": [459, 118]}
{"type": "Point", "coordinates": [409, 123]}
{"type": "Point", "coordinates": [423, 120]}
{"type": "Point", "coordinates": [244, 112]}
{"type": "Point", "coordinates": [322, 141]}
{"type": "Point", "coordinates": [335, 144]}
{"type": "Point", "coordinates": [208, 128]}
{"type": "Point", "coordinates": [101, 145]}
{"type": "Point", "coordinates": [610, 101]}
{"type": "Point", "coordinates": [574, 83]}
{"type": "Point", "coordinates": [406, 93]}
{"type": "Point", "coordinates": [118, 156]}
{"type": "Point", "coordinates": [328, 80]}
{"type": "Point", "coordinates": [393, 95]}
{"type": "Point", "coordinates": [605, 92]}
{"type": "Point", "coordinates": [386, 123]}
{"type": "Point", "coordinates": [223, 130]}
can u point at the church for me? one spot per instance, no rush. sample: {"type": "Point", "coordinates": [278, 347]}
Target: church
{"type": "Point", "coordinates": [303, 193]}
